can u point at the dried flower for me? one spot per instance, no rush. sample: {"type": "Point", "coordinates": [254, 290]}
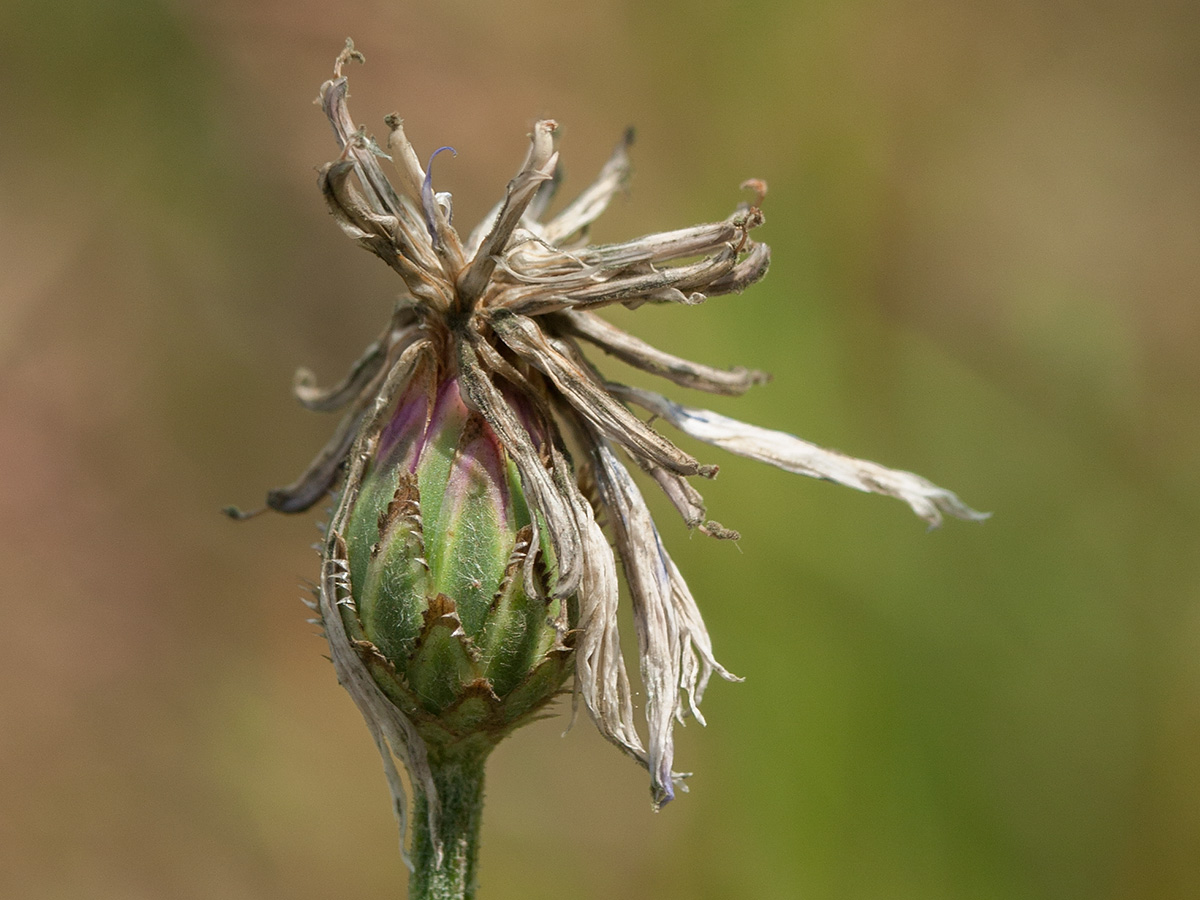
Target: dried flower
{"type": "Point", "coordinates": [498, 322]}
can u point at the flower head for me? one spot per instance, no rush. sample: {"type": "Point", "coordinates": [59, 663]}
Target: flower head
{"type": "Point", "coordinates": [496, 325]}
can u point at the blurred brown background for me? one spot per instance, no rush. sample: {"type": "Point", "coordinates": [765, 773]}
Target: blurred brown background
{"type": "Point", "coordinates": [985, 219]}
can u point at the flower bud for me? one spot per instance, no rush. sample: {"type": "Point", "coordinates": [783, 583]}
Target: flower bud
{"type": "Point", "coordinates": [448, 611]}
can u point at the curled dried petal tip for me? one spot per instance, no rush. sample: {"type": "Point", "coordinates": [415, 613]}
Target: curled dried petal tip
{"type": "Point", "coordinates": [758, 186]}
{"type": "Point", "coordinates": [942, 501]}
{"type": "Point", "coordinates": [542, 144]}
{"type": "Point", "coordinates": [348, 54]}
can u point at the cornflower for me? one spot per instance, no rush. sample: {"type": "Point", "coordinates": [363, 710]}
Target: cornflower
{"type": "Point", "coordinates": [466, 573]}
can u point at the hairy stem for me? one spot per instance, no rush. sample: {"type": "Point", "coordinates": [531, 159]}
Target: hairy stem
{"type": "Point", "coordinates": [458, 776]}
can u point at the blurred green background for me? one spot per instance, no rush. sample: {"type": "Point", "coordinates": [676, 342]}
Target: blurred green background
{"type": "Point", "coordinates": [985, 220]}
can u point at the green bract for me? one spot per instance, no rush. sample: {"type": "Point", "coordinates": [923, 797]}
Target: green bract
{"type": "Point", "coordinates": [438, 542]}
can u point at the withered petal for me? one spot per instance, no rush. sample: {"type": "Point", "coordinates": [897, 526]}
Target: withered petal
{"type": "Point", "coordinates": [365, 368]}
{"type": "Point", "coordinates": [538, 168]}
{"type": "Point", "coordinates": [523, 336]}
{"type": "Point", "coordinates": [590, 204]}
{"type": "Point", "coordinates": [638, 353]}
{"type": "Point", "coordinates": [668, 285]}
{"type": "Point", "coordinates": [660, 637]}
{"type": "Point", "coordinates": [792, 454]}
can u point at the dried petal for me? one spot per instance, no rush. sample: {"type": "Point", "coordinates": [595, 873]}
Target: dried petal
{"type": "Point", "coordinates": [794, 455]}
{"type": "Point", "coordinates": [589, 205]}
{"type": "Point", "coordinates": [539, 168]}
{"type": "Point", "coordinates": [361, 373]}
{"type": "Point", "coordinates": [614, 420]}
{"type": "Point", "coordinates": [637, 352]}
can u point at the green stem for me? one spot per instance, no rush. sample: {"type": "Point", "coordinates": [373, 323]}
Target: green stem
{"type": "Point", "coordinates": [458, 776]}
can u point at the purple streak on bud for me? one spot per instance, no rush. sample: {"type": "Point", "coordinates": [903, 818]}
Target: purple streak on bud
{"type": "Point", "coordinates": [407, 423]}
{"type": "Point", "coordinates": [413, 425]}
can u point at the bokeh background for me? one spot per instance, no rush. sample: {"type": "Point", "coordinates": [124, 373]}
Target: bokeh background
{"type": "Point", "coordinates": [986, 222]}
